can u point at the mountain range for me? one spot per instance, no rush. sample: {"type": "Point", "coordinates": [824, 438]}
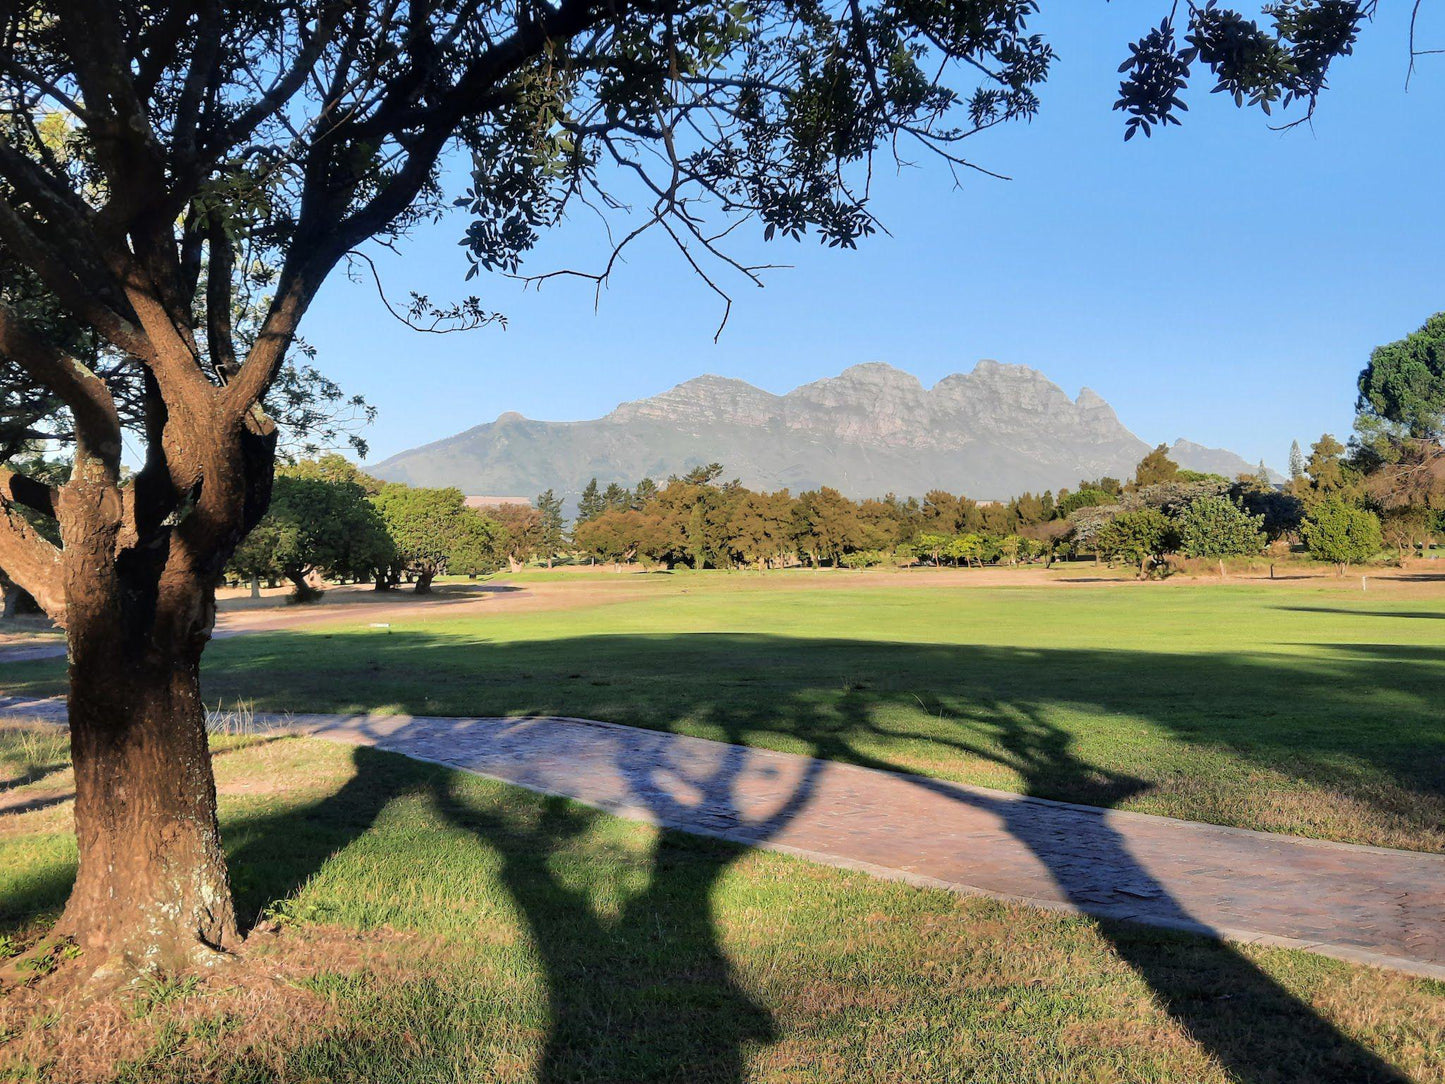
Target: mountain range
{"type": "Point", "coordinates": [873, 429]}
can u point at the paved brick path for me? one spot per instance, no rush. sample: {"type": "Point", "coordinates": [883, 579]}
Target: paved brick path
{"type": "Point", "coordinates": [1366, 904]}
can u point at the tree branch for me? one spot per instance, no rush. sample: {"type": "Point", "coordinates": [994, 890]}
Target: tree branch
{"type": "Point", "coordinates": [57, 271]}
{"type": "Point", "coordinates": [97, 421]}
{"type": "Point", "coordinates": [22, 489]}
{"type": "Point", "coordinates": [31, 561]}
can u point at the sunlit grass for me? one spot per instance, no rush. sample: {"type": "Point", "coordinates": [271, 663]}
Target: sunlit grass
{"type": "Point", "coordinates": [1308, 709]}
{"type": "Point", "coordinates": [427, 925]}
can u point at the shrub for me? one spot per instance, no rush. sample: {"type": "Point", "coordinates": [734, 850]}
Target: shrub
{"type": "Point", "coordinates": [1143, 538]}
{"type": "Point", "coordinates": [1216, 527]}
{"type": "Point", "coordinates": [1341, 533]}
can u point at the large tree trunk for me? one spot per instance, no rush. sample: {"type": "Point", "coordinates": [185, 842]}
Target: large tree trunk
{"type": "Point", "coordinates": [151, 891]}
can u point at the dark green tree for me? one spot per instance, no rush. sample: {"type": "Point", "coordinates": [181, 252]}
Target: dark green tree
{"type": "Point", "coordinates": [553, 534]}
{"type": "Point", "coordinates": [616, 498]}
{"type": "Point", "coordinates": [590, 505]}
{"type": "Point", "coordinates": [1402, 389]}
{"type": "Point", "coordinates": [1144, 537]}
{"type": "Point", "coordinates": [435, 532]}
{"type": "Point", "coordinates": [316, 526]}
{"type": "Point", "coordinates": [644, 492]}
{"type": "Point", "coordinates": [1086, 496]}
{"type": "Point", "coordinates": [1217, 527]}
{"type": "Point", "coordinates": [703, 475]}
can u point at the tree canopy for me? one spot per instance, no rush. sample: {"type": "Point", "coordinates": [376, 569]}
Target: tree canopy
{"type": "Point", "coordinates": [1217, 527]}
{"type": "Point", "coordinates": [1341, 533]}
{"type": "Point", "coordinates": [435, 532]}
{"type": "Point", "coordinates": [316, 524]}
{"type": "Point", "coordinates": [1402, 389]}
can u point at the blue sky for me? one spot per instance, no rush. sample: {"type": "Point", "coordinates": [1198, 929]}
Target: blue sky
{"type": "Point", "coordinates": [1222, 281]}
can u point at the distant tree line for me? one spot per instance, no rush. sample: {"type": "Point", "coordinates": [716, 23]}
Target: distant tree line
{"type": "Point", "coordinates": [1343, 504]}
{"type": "Point", "coordinates": [698, 521]}
{"type": "Point", "coordinates": [330, 520]}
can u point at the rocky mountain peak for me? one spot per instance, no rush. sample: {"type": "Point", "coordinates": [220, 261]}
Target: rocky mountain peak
{"type": "Point", "coordinates": [990, 433]}
{"type": "Point", "coordinates": [703, 399]}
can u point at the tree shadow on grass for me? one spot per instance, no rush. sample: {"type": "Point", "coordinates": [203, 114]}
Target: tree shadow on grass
{"type": "Point", "coordinates": [1258, 1030]}
{"type": "Point", "coordinates": [648, 994]}
{"type": "Point", "coordinates": [1437, 615]}
{"type": "Point", "coordinates": [642, 991]}
{"type": "Point", "coordinates": [1361, 721]}
{"type": "Point", "coordinates": [645, 991]}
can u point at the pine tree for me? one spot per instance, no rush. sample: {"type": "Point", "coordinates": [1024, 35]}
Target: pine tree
{"type": "Point", "coordinates": [646, 490]}
{"type": "Point", "coordinates": [1296, 462]}
{"type": "Point", "coordinates": [550, 505]}
{"type": "Point", "coordinates": [615, 498]}
{"type": "Point", "coordinates": [590, 505]}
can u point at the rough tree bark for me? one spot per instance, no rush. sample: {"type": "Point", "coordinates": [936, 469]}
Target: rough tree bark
{"type": "Point", "coordinates": [151, 891]}
{"type": "Point", "coordinates": [151, 888]}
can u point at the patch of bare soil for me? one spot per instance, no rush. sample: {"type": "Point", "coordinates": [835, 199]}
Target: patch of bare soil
{"type": "Point", "coordinates": [27, 629]}
{"type": "Point", "coordinates": [254, 1007]}
{"type": "Point", "coordinates": [343, 604]}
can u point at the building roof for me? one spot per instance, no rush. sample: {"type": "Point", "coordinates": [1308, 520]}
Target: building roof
{"type": "Point", "coordinates": [492, 502]}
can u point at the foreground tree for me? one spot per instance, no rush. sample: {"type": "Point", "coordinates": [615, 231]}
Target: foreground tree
{"type": "Point", "coordinates": [222, 158]}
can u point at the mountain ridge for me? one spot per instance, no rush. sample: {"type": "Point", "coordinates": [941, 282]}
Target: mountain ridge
{"type": "Point", "coordinates": [992, 432]}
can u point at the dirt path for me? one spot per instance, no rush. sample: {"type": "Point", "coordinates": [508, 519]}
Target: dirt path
{"type": "Point", "coordinates": [1364, 904]}
{"type": "Point", "coordinates": [352, 605]}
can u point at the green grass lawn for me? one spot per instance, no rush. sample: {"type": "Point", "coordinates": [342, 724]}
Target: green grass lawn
{"type": "Point", "coordinates": [433, 926]}
{"type": "Point", "coordinates": [1306, 709]}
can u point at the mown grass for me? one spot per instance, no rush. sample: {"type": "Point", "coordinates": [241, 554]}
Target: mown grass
{"type": "Point", "coordinates": [436, 926]}
{"type": "Point", "coordinates": [1307, 709]}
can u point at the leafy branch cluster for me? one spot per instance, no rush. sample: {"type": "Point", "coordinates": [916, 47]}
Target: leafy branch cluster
{"type": "Point", "coordinates": [1270, 67]}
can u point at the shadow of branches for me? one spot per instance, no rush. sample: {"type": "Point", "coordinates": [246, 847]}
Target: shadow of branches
{"type": "Point", "coordinates": [645, 991]}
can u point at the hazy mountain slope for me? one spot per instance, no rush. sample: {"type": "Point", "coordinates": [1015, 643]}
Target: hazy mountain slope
{"type": "Point", "coordinates": [873, 429]}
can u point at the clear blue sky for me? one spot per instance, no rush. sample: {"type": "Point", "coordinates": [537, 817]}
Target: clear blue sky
{"type": "Point", "coordinates": [1222, 281]}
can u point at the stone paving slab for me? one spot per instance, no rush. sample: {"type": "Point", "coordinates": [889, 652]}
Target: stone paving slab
{"type": "Point", "coordinates": [1365, 904]}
